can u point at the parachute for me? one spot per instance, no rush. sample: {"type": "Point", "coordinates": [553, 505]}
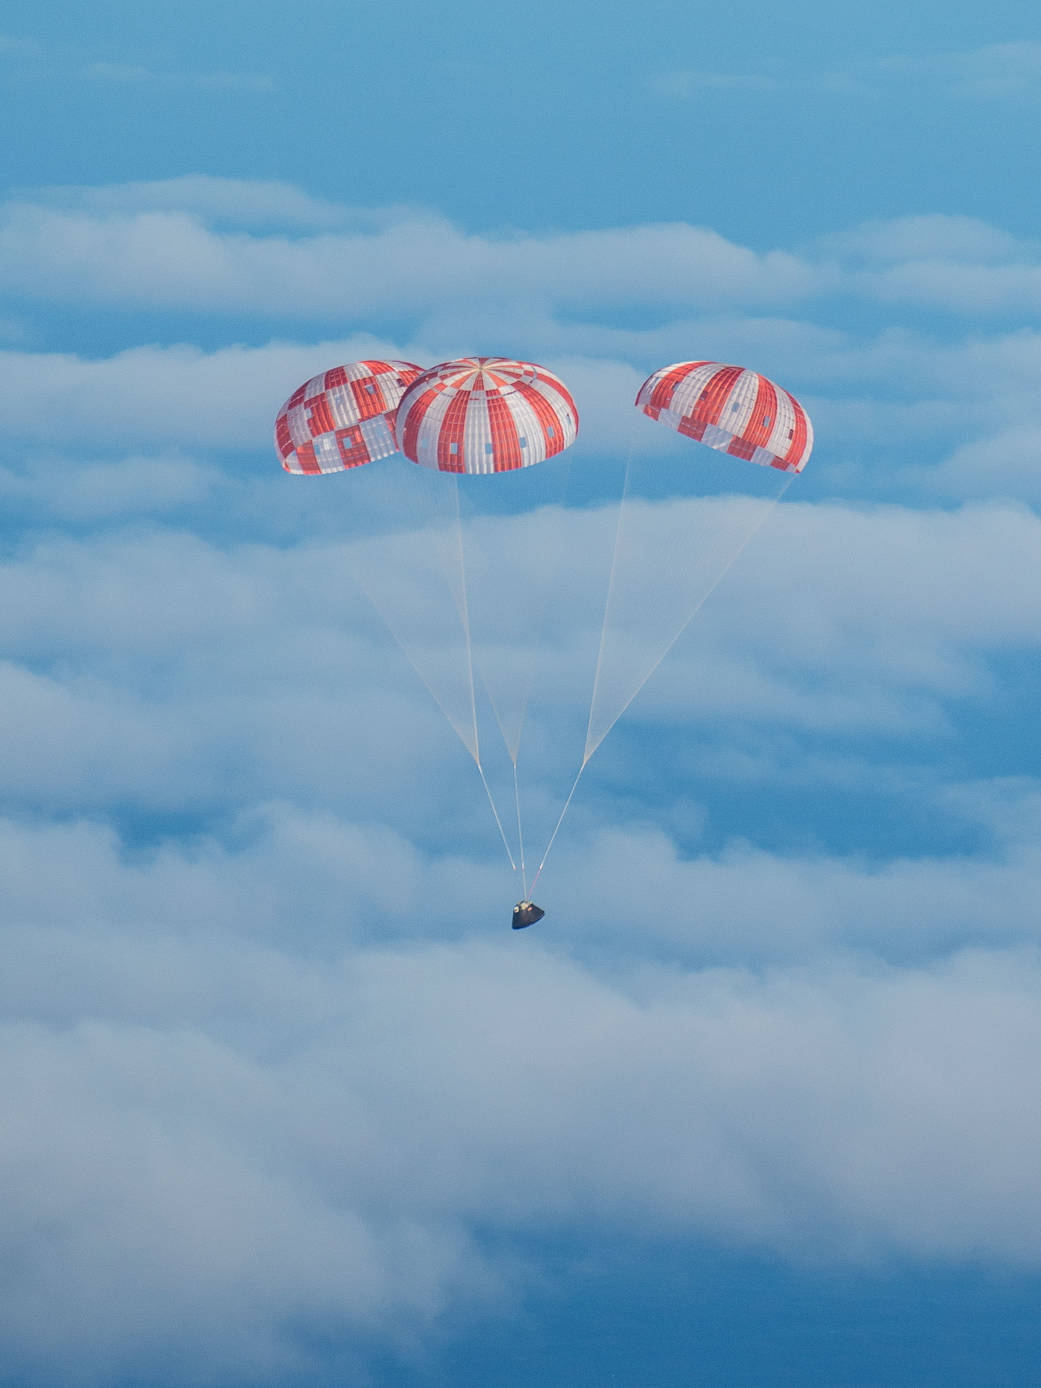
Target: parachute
{"type": "Point", "coordinates": [731, 409]}
{"type": "Point", "coordinates": [668, 559]}
{"type": "Point", "coordinates": [486, 414]}
{"type": "Point", "coordinates": [479, 511]}
{"type": "Point", "coordinates": [342, 418]}
{"type": "Point", "coordinates": [487, 421]}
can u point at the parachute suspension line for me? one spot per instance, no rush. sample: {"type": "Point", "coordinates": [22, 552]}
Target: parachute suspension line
{"type": "Point", "coordinates": [465, 614]}
{"type": "Point", "coordinates": [460, 731]}
{"type": "Point", "coordinates": [692, 614]}
{"type": "Point", "coordinates": [461, 713]}
{"type": "Point", "coordinates": [559, 822]}
{"type": "Point", "coordinates": [520, 831]}
{"type": "Point", "coordinates": [495, 812]}
{"type": "Point", "coordinates": [550, 510]}
{"type": "Point", "coordinates": [596, 677]}
{"type": "Point", "coordinates": [511, 751]}
{"type": "Point", "coordinates": [591, 747]}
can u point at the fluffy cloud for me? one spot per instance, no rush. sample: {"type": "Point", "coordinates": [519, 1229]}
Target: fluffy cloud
{"type": "Point", "coordinates": [965, 288]}
{"type": "Point", "coordinates": [171, 258]}
{"type": "Point", "coordinates": [935, 236]}
{"type": "Point", "coordinates": [173, 396]}
{"type": "Point", "coordinates": [268, 250]}
{"type": "Point", "coordinates": [237, 1145]}
{"type": "Point", "coordinates": [52, 488]}
{"type": "Point", "coordinates": [100, 628]}
{"type": "Point", "coordinates": [273, 1063]}
{"type": "Point", "coordinates": [958, 264]}
{"type": "Point", "coordinates": [239, 202]}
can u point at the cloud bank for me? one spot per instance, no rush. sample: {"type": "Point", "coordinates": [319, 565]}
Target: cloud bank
{"type": "Point", "coordinates": [282, 1089]}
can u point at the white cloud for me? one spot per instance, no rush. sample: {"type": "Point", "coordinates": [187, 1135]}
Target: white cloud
{"type": "Point", "coordinates": [221, 201]}
{"type": "Point", "coordinates": [318, 1141]}
{"type": "Point", "coordinates": [934, 237]}
{"type": "Point", "coordinates": [1005, 463]}
{"type": "Point", "coordinates": [170, 258]}
{"type": "Point", "coordinates": [968, 289]}
{"type": "Point", "coordinates": [627, 885]}
{"type": "Point", "coordinates": [305, 1024]}
{"type": "Point", "coordinates": [177, 396]}
{"type": "Point", "coordinates": [268, 250]}
{"type": "Point", "coordinates": [54, 489]}
{"type": "Point", "coordinates": [161, 673]}
{"type": "Point", "coordinates": [955, 263]}
{"type": "Point", "coordinates": [158, 671]}
{"type": "Point", "coordinates": [272, 1062]}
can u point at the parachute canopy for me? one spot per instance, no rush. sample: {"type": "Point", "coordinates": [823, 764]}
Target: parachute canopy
{"type": "Point", "coordinates": [731, 409]}
{"type": "Point", "coordinates": [342, 418]}
{"type": "Point", "coordinates": [485, 414]}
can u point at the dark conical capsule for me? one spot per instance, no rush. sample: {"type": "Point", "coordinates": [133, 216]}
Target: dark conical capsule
{"type": "Point", "coordinates": [526, 913]}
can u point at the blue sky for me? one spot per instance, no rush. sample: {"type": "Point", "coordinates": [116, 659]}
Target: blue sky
{"type": "Point", "coordinates": [287, 1100]}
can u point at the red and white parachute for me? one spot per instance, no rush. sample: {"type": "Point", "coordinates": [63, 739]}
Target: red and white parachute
{"type": "Point", "coordinates": [484, 415]}
{"type": "Point", "coordinates": [342, 418]}
{"type": "Point", "coordinates": [731, 409]}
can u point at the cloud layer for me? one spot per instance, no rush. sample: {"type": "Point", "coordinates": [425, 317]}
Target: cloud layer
{"type": "Point", "coordinates": [170, 245]}
{"type": "Point", "coordinates": [259, 1148]}
{"type": "Point", "coordinates": [276, 1073]}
